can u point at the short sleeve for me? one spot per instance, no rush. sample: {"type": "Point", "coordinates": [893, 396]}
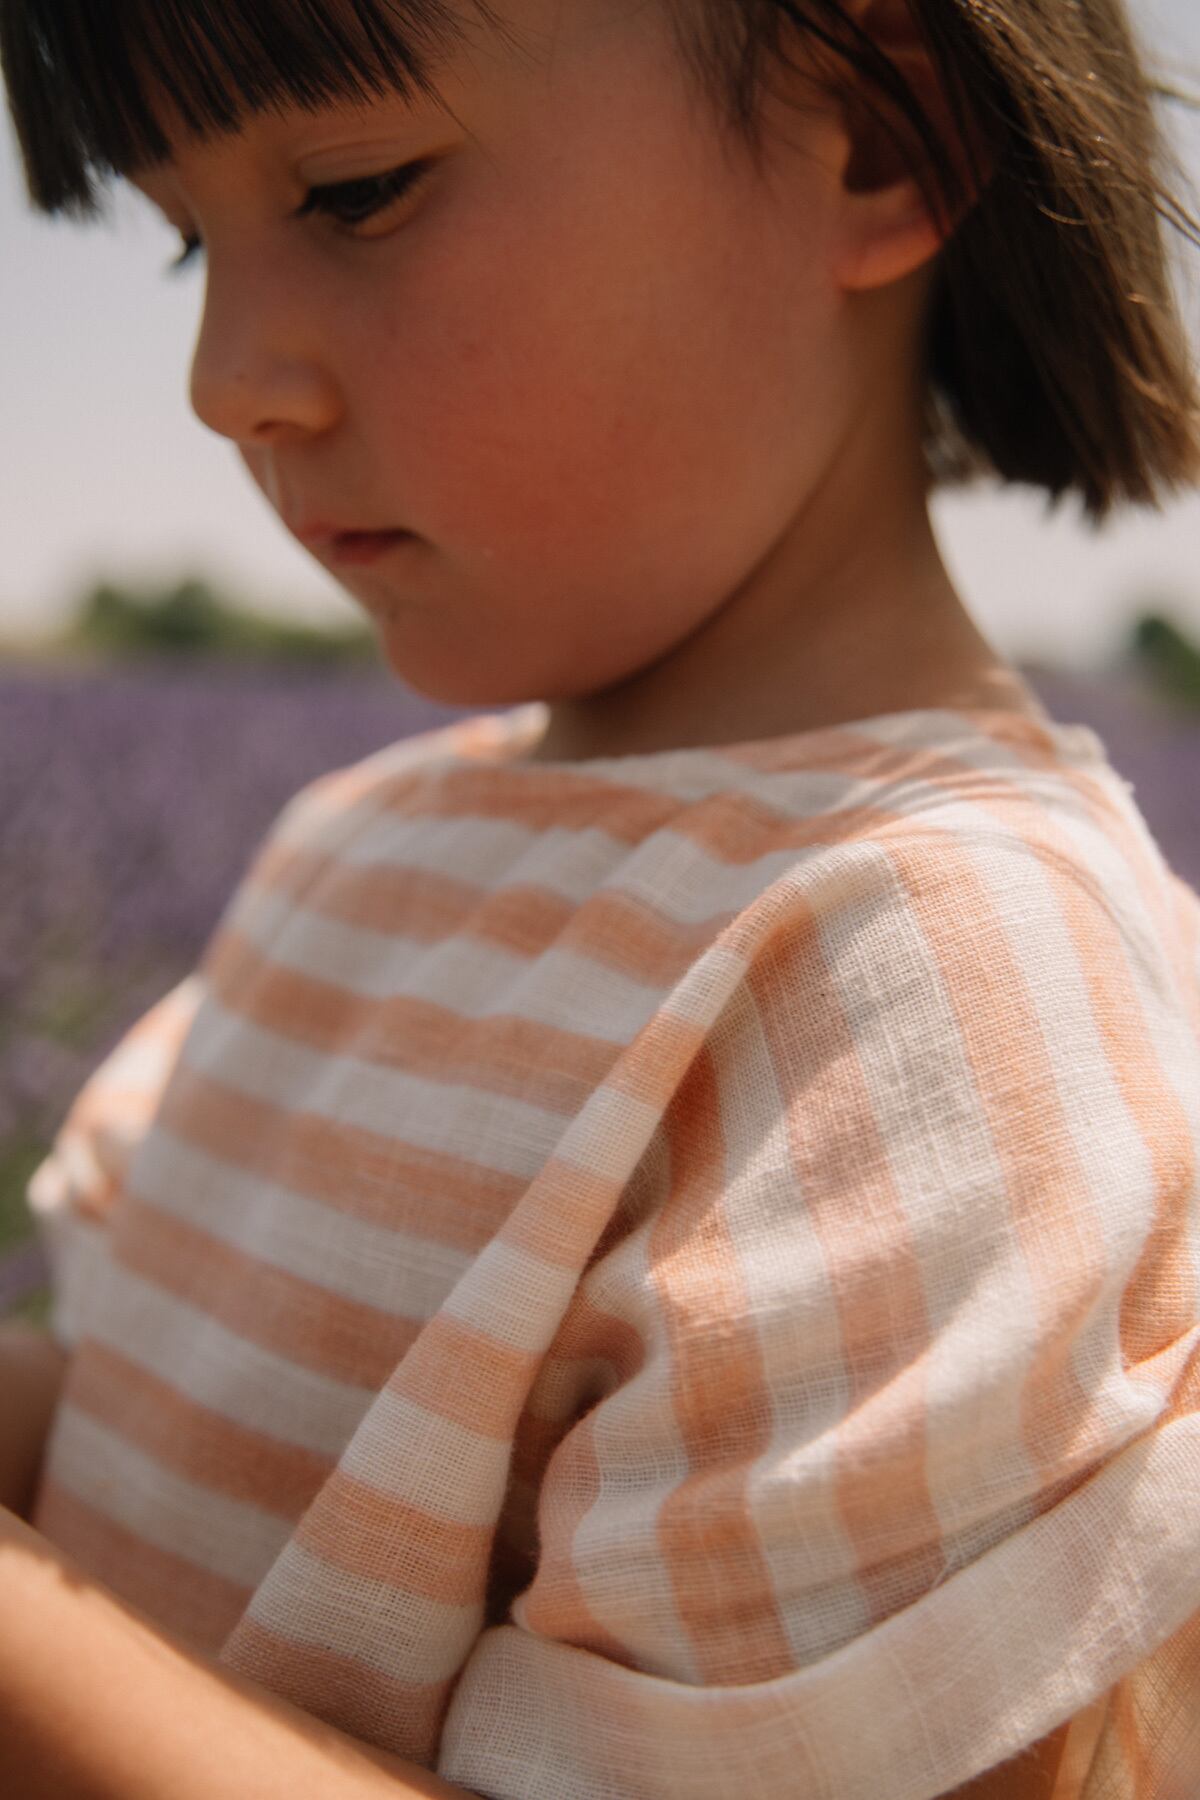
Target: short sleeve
{"type": "Point", "coordinates": [889, 1464]}
{"type": "Point", "coordinates": [71, 1194]}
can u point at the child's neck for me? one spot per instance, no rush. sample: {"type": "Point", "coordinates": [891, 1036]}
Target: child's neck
{"type": "Point", "coordinates": [825, 633]}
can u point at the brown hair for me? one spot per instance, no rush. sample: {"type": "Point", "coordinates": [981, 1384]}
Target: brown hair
{"type": "Point", "coordinates": [1055, 354]}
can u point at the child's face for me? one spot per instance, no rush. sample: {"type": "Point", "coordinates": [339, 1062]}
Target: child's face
{"type": "Point", "coordinates": [592, 364]}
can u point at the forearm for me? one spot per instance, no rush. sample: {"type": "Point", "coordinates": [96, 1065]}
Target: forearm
{"type": "Point", "coordinates": [32, 1367]}
{"type": "Point", "coordinates": [96, 1703]}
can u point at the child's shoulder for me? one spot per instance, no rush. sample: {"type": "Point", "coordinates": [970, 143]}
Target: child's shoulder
{"type": "Point", "coordinates": [984, 853]}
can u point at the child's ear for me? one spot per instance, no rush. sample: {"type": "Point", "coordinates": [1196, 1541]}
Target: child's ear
{"type": "Point", "coordinates": [892, 222]}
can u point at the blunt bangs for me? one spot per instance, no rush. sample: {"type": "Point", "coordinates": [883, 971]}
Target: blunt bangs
{"type": "Point", "coordinates": [81, 74]}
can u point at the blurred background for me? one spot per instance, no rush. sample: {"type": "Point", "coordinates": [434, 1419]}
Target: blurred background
{"type": "Point", "coordinates": [173, 667]}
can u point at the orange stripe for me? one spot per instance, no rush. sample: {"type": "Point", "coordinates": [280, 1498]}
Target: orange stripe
{"type": "Point", "coordinates": [554, 1227]}
{"type": "Point", "coordinates": [194, 1441]}
{"type": "Point", "coordinates": [192, 1602]}
{"type": "Point", "coordinates": [344, 1691]}
{"type": "Point", "coordinates": [723, 1587]}
{"type": "Point", "coordinates": [1167, 1686]}
{"type": "Point", "coordinates": [356, 1528]}
{"type": "Point", "coordinates": [500, 1053]}
{"type": "Point", "coordinates": [621, 931]}
{"type": "Point", "coordinates": [419, 903]}
{"type": "Point", "coordinates": [1149, 1320]}
{"type": "Point", "coordinates": [379, 1179]}
{"type": "Point", "coordinates": [649, 1069]}
{"type": "Point", "coordinates": [489, 1384]}
{"type": "Point", "coordinates": [1125, 1725]}
{"type": "Point", "coordinates": [563, 800]}
{"type": "Point", "coordinates": [307, 1324]}
{"type": "Point", "coordinates": [844, 1181]}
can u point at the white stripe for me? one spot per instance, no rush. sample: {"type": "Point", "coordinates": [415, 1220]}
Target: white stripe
{"type": "Point", "coordinates": [561, 988]}
{"type": "Point", "coordinates": [1171, 1035]}
{"type": "Point", "coordinates": [948, 1182]}
{"type": "Point", "coordinates": [955, 735]}
{"type": "Point", "coordinates": [792, 1486]}
{"type": "Point", "coordinates": [405, 1274]}
{"type": "Point", "coordinates": [422, 1441]}
{"type": "Point", "coordinates": [502, 1133]}
{"type": "Point", "coordinates": [403, 1635]}
{"type": "Point", "coordinates": [1117, 1171]}
{"type": "Point", "coordinates": [704, 990]}
{"type": "Point", "coordinates": [640, 1459]}
{"type": "Point", "coordinates": [1170, 1029]}
{"type": "Point", "coordinates": [607, 1138]}
{"type": "Point", "coordinates": [202, 1359]}
{"type": "Point", "coordinates": [507, 1294]}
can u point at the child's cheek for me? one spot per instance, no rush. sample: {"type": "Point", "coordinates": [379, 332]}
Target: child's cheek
{"type": "Point", "coordinates": [581, 406]}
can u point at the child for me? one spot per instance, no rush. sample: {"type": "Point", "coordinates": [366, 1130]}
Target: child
{"type": "Point", "coordinates": [657, 1255]}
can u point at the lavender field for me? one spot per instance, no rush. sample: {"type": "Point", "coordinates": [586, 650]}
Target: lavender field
{"type": "Point", "coordinates": [131, 799]}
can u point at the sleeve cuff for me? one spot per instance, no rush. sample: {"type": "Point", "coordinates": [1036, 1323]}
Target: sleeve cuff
{"type": "Point", "coordinates": [980, 1667]}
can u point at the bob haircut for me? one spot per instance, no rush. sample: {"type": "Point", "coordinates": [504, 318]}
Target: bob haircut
{"type": "Point", "coordinates": [1054, 356]}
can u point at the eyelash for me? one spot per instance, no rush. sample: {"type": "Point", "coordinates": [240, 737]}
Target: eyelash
{"type": "Point", "coordinates": [346, 202]}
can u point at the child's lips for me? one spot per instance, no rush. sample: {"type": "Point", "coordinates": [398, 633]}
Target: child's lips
{"type": "Point", "coordinates": [365, 546]}
{"type": "Point", "coordinates": [351, 546]}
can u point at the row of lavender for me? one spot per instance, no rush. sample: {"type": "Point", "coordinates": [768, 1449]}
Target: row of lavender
{"type": "Point", "coordinates": [130, 801]}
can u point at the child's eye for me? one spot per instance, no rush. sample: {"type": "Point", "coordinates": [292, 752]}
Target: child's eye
{"type": "Point", "coordinates": [347, 202]}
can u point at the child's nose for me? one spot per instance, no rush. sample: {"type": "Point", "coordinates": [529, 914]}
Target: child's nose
{"type": "Point", "coordinates": [257, 373]}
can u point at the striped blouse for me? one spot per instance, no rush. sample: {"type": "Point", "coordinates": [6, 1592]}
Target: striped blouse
{"type": "Point", "coordinates": [670, 1275]}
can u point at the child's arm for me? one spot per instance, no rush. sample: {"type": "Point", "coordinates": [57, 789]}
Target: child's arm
{"type": "Point", "coordinates": [32, 1366]}
{"type": "Point", "coordinates": [96, 1701]}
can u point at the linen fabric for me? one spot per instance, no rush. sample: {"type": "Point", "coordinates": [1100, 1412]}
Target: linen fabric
{"type": "Point", "coordinates": [671, 1275]}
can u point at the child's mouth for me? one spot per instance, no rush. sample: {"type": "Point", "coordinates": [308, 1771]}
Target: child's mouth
{"type": "Point", "coordinates": [364, 546]}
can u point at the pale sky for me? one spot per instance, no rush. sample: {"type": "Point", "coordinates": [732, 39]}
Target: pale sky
{"type": "Point", "coordinates": [105, 473]}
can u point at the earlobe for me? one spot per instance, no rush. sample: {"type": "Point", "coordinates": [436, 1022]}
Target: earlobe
{"type": "Point", "coordinates": [887, 233]}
